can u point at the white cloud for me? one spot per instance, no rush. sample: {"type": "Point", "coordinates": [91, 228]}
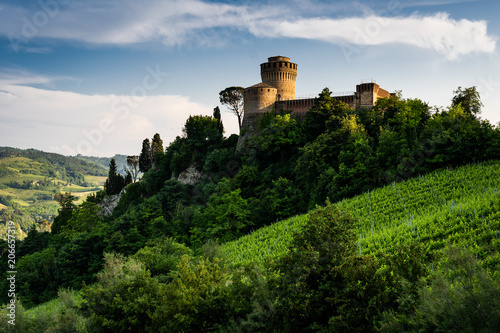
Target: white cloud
{"type": "Point", "coordinates": [175, 22]}
{"type": "Point", "coordinates": [448, 37]}
{"type": "Point", "coordinates": [72, 123]}
{"type": "Point", "coordinates": [433, 3]}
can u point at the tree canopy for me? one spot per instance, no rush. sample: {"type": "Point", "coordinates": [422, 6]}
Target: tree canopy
{"type": "Point", "coordinates": [232, 97]}
{"type": "Point", "coordinates": [469, 99]}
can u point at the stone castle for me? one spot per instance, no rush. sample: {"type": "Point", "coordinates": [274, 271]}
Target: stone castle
{"type": "Point", "coordinates": [277, 91]}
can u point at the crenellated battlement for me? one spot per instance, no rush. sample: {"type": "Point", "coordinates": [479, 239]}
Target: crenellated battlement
{"type": "Point", "coordinates": [280, 73]}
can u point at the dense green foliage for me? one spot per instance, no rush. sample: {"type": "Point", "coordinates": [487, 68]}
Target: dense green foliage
{"type": "Point", "coordinates": [372, 260]}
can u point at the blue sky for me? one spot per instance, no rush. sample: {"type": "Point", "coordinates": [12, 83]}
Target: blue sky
{"type": "Point", "coordinates": [97, 77]}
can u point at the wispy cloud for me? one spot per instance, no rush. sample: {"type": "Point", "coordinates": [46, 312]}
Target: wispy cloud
{"type": "Point", "coordinates": [175, 22]}
{"type": "Point", "coordinates": [423, 3]}
{"type": "Point", "coordinates": [87, 124]}
{"type": "Point", "coordinates": [447, 36]}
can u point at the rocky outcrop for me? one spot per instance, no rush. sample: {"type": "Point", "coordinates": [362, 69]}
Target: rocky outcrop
{"type": "Point", "coordinates": [44, 226]}
{"type": "Point", "coordinates": [190, 176]}
{"type": "Point", "coordinates": [110, 202]}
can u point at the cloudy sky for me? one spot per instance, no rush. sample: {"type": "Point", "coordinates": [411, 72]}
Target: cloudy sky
{"type": "Point", "coordinates": [96, 77]}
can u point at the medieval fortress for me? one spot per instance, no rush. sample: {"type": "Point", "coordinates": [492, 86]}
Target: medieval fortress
{"type": "Point", "coordinates": [277, 91]}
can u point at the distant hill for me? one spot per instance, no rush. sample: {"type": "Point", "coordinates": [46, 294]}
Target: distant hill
{"type": "Point", "coordinates": [30, 178]}
{"type": "Point", "coordinates": [121, 162]}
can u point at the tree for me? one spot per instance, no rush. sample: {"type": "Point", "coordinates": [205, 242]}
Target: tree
{"type": "Point", "coordinates": [201, 136]}
{"type": "Point", "coordinates": [36, 277]}
{"type": "Point", "coordinates": [316, 118]}
{"type": "Point", "coordinates": [217, 115]}
{"type": "Point", "coordinates": [279, 140]}
{"type": "Point", "coordinates": [115, 182]}
{"type": "Point", "coordinates": [156, 147]}
{"type": "Point", "coordinates": [469, 99]}
{"type": "Point", "coordinates": [67, 203]}
{"type": "Point", "coordinates": [197, 300]}
{"type": "Point", "coordinates": [232, 97]}
{"type": "Point", "coordinates": [315, 255]}
{"type": "Point", "coordinates": [161, 256]}
{"type": "Point", "coordinates": [128, 178]}
{"type": "Point", "coordinates": [200, 130]}
{"type": "Point", "coordinates": [145, 156]}
{"type": "Point", "coordinates": [458, 296]}
{"type": "Point", "coordinates": [85, 218]}
{"type": "Point", "coordinates": [324, 286]}
{"type": "Point", "coordinates": [225, 217]}
{"type": "Point", "coordinates": [124, 297]}
{"type": "Point", "coordinates": [133, 164]}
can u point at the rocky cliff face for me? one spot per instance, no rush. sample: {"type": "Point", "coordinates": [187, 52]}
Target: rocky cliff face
{"type": "Point", "coordinates": [44, 226]}
{"type": "Point", "coordinates": [110, 202]}
{"type": "Point", "coordinates": [190, 176]}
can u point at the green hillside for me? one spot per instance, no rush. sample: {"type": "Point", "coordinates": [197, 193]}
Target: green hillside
{"type": "Point", "coordinates": [29, 179]}
{"type": "Point", "coordinates": [459, 206]}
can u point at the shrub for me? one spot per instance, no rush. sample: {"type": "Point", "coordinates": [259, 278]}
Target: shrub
{"type": "Point", "coordinates": [325, 286]}
{"type": "Point", "coordinates": [123, 298]}
{"type": "Point", "coordinates": [462, 296]}
{"type": "Point", "coordinates": [162, 256]}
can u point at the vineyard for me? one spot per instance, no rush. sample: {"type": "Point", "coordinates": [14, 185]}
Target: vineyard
{"type": "Point", "coordinates": [456, 206]}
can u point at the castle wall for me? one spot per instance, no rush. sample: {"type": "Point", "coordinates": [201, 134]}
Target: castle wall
{"type": "Point", "coordinates": [348, 99]}
{"type": "Point", "coordinates": [298, 106]}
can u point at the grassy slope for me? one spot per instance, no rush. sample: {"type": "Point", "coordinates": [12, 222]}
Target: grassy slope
{"type": "Point", "coordinates": [459, 206]}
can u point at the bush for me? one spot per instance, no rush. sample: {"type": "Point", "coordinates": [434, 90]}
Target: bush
{"type": "Point", "coordinates": [462, 297]}
{"type": "Point", "coordinates": [161, 256]}
{"type": "Point", "coordinates": [57, 316]}
{"type": "Point", "coordinates": [197, 300]}
{"type": "Point", "coordinates": [124, 297]}
{"type": "Point", "coordinates": [325, 286]}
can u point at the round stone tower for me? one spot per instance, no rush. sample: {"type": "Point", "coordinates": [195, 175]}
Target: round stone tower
{"type": "Point", "coordinates": [280, 73]}
{"type": "Point", "coordinates": [259, 99]}
{"type": "Point", "coordinates": [278, 84]}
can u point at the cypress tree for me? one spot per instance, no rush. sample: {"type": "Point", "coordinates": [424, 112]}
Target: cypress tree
{"type": "Point", "coordinates": [145, 156]}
